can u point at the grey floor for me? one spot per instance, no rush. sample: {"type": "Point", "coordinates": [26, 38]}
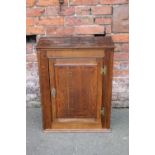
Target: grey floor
{"type": "Point", "coordinates": [114, 143]}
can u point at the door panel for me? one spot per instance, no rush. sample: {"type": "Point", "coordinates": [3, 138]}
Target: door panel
{"type": "Point", "coordinates": [76, 91]}
{"type": "Point", "coordinates": [78, 85]}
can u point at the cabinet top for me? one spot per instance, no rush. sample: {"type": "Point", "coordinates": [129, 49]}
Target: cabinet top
{"type": "Point", "coordinates": [75, 42]}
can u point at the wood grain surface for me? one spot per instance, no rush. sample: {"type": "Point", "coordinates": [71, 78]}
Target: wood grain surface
{"type": "Point", "coordinates": [72, 67]}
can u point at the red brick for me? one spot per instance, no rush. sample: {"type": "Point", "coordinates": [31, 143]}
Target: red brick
{"type": "Point", "coordinates": [121, 56]}
{"type": "Point", "coordinates": [122, 47]}
{"type": "Point", "coordinates": [94, 29]}
{"type": "Point", "coordinates": [83, 2]}
{"type": "Point", "coordinates": [32, 12]}
{"type": "Point", "coordinates": [60, 31]}
{"type": "Point", "coordinates": [31, 21]}
{"type": "Point", "coordinates": [103, 20]}
{"type": "Point", "coordinates": [49, 2]}
{"type": "Point", "coordinates": [100, 10]}
{"type": "Point", "coordinates": [83, 10]}
{"type": "Point", "coordinates": [51, 21]}
{"type": "Point", "coordinates": [113, 1]}
{"type": "Point", "coordinates": [31, 58]}
{"type": "Point", "coordinates": [121, 18]}
{"type": "Point", "coordinates": [120, 37]}
{"type": "Point", "coordinates": [67, 11]}
{"type": "Point", "coordinates": [34, 30]}
{"type": "Point", "coordinates": [79, 20]}
{"type": "Point", "coordinates": [29, 48]}
{"type": "Point", "coordinates": [121, 68]}
{"type": "Point", "coordinates": [55, 10]}
{"type": "Point", "coordinates": [121, 65]}
{"type": "Point", "coordinates": [108, 28]}
{"type": "Point", "coordinates": [95, 10]}
{"type": "Point", "coordinates": [120, 73]}
{"type": "Point", "coordinates": [52, 11]}
{"type": "Point", "coordinates": [30, 3]}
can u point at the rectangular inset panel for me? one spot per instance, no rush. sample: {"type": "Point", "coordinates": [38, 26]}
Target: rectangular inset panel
{"type": "Point", "coordinates": [76, 91]}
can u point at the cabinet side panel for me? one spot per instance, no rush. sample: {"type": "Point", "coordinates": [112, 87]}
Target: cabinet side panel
{"type": "Point", "coordinates": [107, 87]}
{"type": "Point", "coordinates": [99, 88]}
{"type": "Point", "coordinates": [44, 89]}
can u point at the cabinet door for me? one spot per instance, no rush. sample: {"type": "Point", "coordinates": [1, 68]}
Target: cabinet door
{"type": "Point", "coordinates": [76, 93]}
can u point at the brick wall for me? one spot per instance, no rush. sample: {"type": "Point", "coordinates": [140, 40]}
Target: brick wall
{"type": "Point", "coordinates": [81, 17]}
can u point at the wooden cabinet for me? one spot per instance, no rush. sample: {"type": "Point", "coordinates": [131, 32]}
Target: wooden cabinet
{"type": "Point", "coordinates": [75, 83]}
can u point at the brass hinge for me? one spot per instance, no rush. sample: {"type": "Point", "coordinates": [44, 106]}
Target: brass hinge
{"type": "Point", "coordinates": [104, 70]}
{"type": "Point", "coordinates": [102, 111]}
{"type": "Point", "coordinates": [53, 92]}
